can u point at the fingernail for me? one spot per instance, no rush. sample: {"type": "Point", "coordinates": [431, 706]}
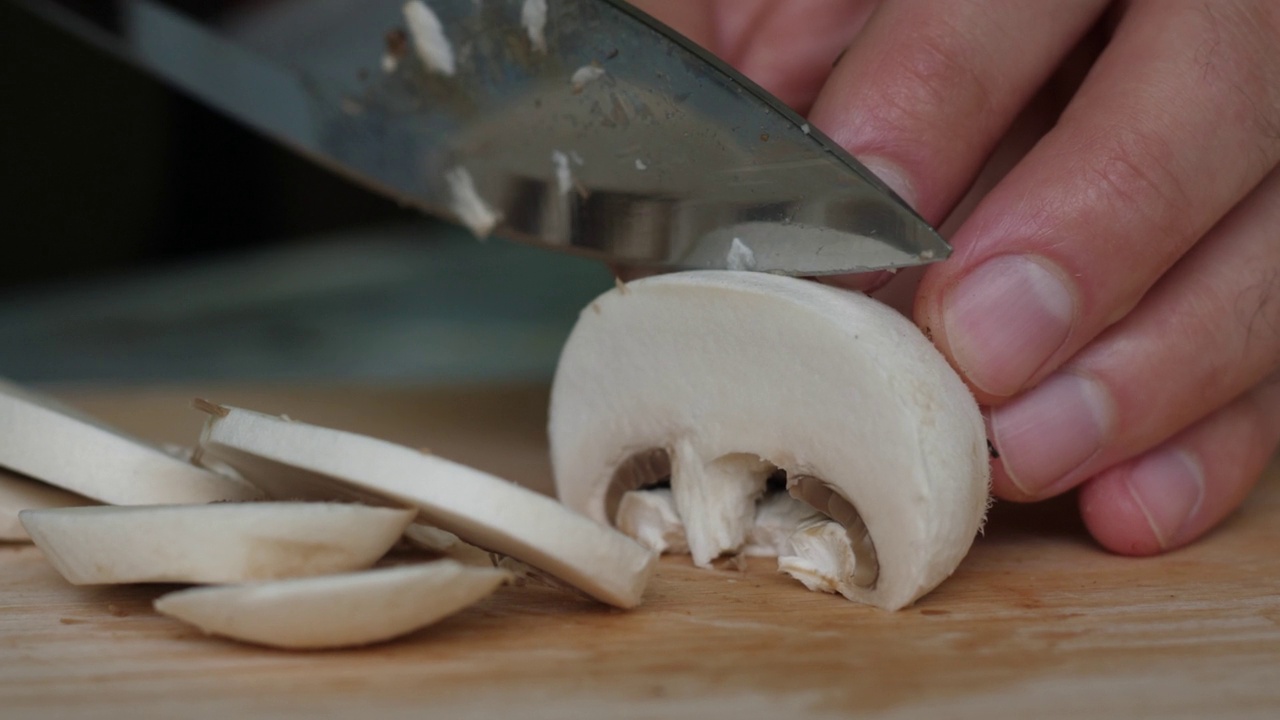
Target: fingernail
{"type": "Point", "coordinates": [892, 175]}
{"type": "Point", "coordinates": [1004, 320]}
{"type": "Point", "coordinates": [1168, 485]}
{"type": "Point", "coordinates": [1052, 430]}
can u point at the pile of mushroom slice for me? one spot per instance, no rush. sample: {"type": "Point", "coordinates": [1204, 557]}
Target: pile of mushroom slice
{"type": "Point", "coordinates": [726, 413]}
{"type": "Point", "coordinates": [288, 541]}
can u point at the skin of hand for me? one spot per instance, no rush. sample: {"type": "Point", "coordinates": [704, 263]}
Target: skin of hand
{"type": "Point", "coordinates": [1107, 174]}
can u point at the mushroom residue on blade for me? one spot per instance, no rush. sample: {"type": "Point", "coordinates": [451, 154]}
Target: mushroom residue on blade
{"type": "Point", "coordinates": [533, 15]}
{"type": "Point", "coordinates": [467, 204]}
{"type": "Point", "coordinates": [429, 40]}
{"type": "Point", "coordinates": [564, 176]}
{"type": "Point", "coordinates": [584, 75]}
{"type": "Point", "coordinates": [740, 257]}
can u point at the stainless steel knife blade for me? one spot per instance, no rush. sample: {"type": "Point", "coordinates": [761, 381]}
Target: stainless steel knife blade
{"type": "Point", "coordinates": [579, 125]}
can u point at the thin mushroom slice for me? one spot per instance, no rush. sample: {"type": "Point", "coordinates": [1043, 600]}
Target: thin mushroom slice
{"type": "Point", "coordinates": [294, 459]}
{"type": "Point", "coordinates": [334, 611]}
{"type": "Point", "coordinates": [19, 493]}
{"type": "Point", "coordinates": [44, 440]}
{"type": "Point", "coordinates": [715, 366]}
{"type": "Point", "coordinates": [443, 542]}
{"type": "Point", "coordinates": [216, 543]}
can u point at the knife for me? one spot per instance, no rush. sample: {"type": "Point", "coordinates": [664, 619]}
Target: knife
{"type": "Point", "coordinates": [578, 125]}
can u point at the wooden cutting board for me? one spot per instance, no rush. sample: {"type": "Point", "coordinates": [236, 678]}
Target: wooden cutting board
{"type": "Point", "coordinates": [1037, 621]}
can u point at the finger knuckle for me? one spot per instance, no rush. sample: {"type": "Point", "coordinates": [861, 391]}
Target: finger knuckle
{"type": "Point", "coordinates": [1240, 69]}
{"type": "Point", "coordinates": [941, 70]}
{"type": "Point", "coordinates": [1137, 168]}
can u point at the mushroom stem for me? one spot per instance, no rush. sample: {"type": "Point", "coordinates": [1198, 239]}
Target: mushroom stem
{"type": "Point", "coordinates": [716, 500]}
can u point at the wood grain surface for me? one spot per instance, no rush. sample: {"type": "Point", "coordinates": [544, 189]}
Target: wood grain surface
{"type": "Point", "coordinates": [1038, 621]}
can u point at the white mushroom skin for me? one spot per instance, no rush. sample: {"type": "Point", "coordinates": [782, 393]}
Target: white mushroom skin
{"type": "Point", "coordinates": [816, 381]}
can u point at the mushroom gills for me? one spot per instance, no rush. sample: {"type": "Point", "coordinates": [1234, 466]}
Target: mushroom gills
{"type": "Point", "coordinates": [840, 541]}
{"type": "Point", "coordinates": [815, 532]}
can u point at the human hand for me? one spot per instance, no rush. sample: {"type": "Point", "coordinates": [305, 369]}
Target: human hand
{"type": "Point", "coordinates": [1114, 298]}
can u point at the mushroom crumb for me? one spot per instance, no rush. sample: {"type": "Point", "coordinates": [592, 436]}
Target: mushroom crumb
{"type": "Point", "coordinates": [564, 176]}
{"type": "Point", "coordinates": [429, 40]}
{"type": "Point", "coordinates": [533, 15]}
{"type": "Point", "coordinates": [584, 75]}
{"type": "Point", "coordinates": [467, 204]}
{"type": "Point", "coordinates": [740, 256]}
{"type": "Point", "coordinates": [397, 46]}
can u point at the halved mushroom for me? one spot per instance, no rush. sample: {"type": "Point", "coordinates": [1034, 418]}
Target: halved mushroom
{"type": "Point", "coordinates": [725, 379]}
{"type": "Point", "coordinates": [19, 493]}
{"type": "Point", "coordinates": [62, 447]}
{"type": "Point", "coordinates": [216, 543]}
{"type": "Point", "coordinates": [335, 610]}
{"type": "Point", "coordinates": [294, 459]}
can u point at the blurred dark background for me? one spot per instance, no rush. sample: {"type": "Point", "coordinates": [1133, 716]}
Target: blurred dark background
{"type": "Point", "coordinates": [105, 168]}
{"type": "Point", "coordinates": [147, 238]}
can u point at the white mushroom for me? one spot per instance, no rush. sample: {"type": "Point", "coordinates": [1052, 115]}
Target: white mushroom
{"type": "Point", "coordinates": [18, 493]}
{"type": "Point", "coordinates": [217, 543]}
{"type": "Point", "coordinates": [336, 610]}
{"type": "Point", "coordinates": [294, 459]}
{"type": "Point", "coordinates": [694, 372]}
{"type": "Point", "coordinates": [44, 440]}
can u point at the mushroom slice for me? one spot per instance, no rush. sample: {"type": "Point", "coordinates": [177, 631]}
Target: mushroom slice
{"type": "Point", "coordinates": [443, 542]}
{"type": "Point", "coordinates": [334, 611]}
{"type": "Point", "coordinates": [294, 459]}
{"type": "Point", "coordinates": [712, 367]}
{"type": "Point", "coordinates": [18, 493]}
{"type": "Point", "coordinates": [217, 543]}
{"type": "Point", "coordinates": [51, 443]}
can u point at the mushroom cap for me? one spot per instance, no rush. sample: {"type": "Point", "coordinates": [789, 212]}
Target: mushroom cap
{"type": "Point", "coordinates": [818, 381]}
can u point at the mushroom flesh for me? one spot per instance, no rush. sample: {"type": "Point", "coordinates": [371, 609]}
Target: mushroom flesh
{"type": "Point", "coordinates": [717, 381]}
